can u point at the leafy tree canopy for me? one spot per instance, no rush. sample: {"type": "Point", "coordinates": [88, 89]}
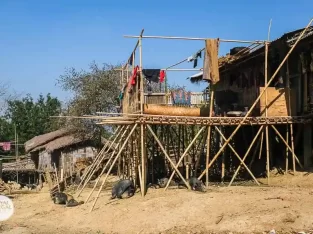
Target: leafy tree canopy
{"type": "Point", "coordinates": [95, 90]}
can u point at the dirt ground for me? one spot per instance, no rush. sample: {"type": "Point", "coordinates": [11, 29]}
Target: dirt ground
{"type": "Point", "coordinates": [286, 206]}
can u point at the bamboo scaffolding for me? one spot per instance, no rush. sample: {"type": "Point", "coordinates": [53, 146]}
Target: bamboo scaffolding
{"type": "Point", "coordinates": [291, 150]}
{"type": "Point", "coordinates": [112, 165]}
{"type": "Point", "coordinates": [195, 38]}
{"type": "Point", "coordinates": [100, 153]}
{"type": "Point", "coordinates": [256, 101]}
{"type": "Point", "coordinates": [96, 164]}
{"type": "Point", "coordinates": [241, 160]}
{"type": "Point", "coordinates": [167, 156]}
{"type": "Point", "coordinates": [109, 161]}
{"type": "Point", "coordinates": [245, 156]}
{"type": "Point", "coordinates": [182, 157]}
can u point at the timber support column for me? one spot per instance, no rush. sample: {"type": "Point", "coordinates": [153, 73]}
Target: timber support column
{"type": "Point", "coordinates": [307, 145]}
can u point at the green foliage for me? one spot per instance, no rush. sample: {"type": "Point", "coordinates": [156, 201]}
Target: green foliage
{"type": "Point", "coordinates": [30, 117]}
{"type": "Point", "coordinates": [94, 91]}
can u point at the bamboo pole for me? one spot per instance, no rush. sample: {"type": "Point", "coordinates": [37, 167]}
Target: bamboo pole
{"type": "Point", "coordinates": [266, 115]}
{"type": "Point", "coordinates": [113, 163]}
{"type": "Point", "coordinates": [208, 146]}
{"type": "Point", "coordinates": [96, 165]}
{"type": "Point", "coordinates": [195, 38]}
{"type": "Point", "coordinates": [287, 152]}
{"type": "Point", "coordinates": [56, 175]}
{"type": "Point", "coordinates": [266, 107]}
{"type": "Point", "coordinates": [182, 157]}
{"type": "Point", "coordinates": [107, 164]}
{"type": "Point", "coordinates": [257, 147]}
{"type": "Point", "coordinates": [98, 157]}
{"type": "Point", "coordinates": [245, 156]}
{"type": "Point", "coordinates": [291, 125]}
{"type": "Point", "coordinates": [261, 145]}
{"type": "Point", "coordinates": [256, 101]}
{"type": "Point", "coordinates": [283, 140]}
{"type": "Point", "coordinates": [168, 157]}
{"type": "Point", "coordinates": [241, 161]}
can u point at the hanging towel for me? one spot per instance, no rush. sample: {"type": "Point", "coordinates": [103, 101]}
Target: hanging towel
{"type": "Point", "coordinates": [162, 76]}
{"type": "Point", "coordinates": [152, 74]}
{"type": "Point", "coordinates": [132, 80]}
{"type": "Point", "coordinates": [210, 67]}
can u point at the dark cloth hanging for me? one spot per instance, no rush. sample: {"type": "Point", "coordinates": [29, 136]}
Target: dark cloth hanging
{"type": "Point", "coordinates": [130, 60]}
{"type": "Point", "coordinates": [162, 76]}
{"type": "Point", "coordinates": [152, 74]}
{"type": "Point", "coordinates": [194, 58]}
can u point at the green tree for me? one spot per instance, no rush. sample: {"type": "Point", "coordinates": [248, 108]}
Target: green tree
{"type": "Point", "coordinates": [96, 90]}
{"type": "Point", "coordinates": [32, 118]}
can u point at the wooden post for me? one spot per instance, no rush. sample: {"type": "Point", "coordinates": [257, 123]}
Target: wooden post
{"type": "Point", "coordinates": [112, 165]}
{"type": "Point", "coordinates": [208, 146]}
{"type": "Point", "coordinates": [289, 113]}
{"type": "Point", "coordinates": [287, 151]}
{"type": "Point", "coordinates": [266, 115]}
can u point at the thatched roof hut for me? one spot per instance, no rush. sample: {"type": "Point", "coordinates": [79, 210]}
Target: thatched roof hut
{"type": "Point", "coordinates": [38, 141]}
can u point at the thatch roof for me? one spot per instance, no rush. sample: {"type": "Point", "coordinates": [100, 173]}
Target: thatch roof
{"type": "Point", "coordinates": [38, 141]}
{"type": "Point", "coordinates": [61, 142]}
{"type": "Point", "coordinates": [21, 165]}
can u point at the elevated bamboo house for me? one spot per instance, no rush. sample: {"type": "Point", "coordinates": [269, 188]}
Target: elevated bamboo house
{"type": "Point", "coordinates": [253, 116]}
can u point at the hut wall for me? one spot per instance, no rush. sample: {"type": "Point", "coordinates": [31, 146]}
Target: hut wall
{"type": "Point", "coordinates": [44, 162]}
{"type": "Point", "coordinates": [69, 157]}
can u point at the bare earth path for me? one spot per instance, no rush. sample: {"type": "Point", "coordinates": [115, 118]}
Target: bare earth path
{"type": "Point", "coordinates": [287, 209]}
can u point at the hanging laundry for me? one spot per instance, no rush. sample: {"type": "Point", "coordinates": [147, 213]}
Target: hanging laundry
{"type": "Point", "coordinates": [181, 97]}
{"type": "Point", "coordinates": [194, 58]}
{"type": "Point", "coordinates": [132, 80]}
{"type": "Point", "coordinates": [130, 60]}
{"type": "Point", "coordinates": [162, 76]}
{"type": "Point", "coordinates": [152, 74]}
{"type": "Point", "coordinates": [6, 146]}
{"type": "Point", "coordinates": [210, 67]}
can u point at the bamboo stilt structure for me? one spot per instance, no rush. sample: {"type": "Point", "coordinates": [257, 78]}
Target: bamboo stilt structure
{"type": "Point", "coordinates": [168, 157]}
{"type": "Point", "coordinates": [112, 165]}
{"type": "Point", "coordinates": [245, 156]}
{"type": "Point", "coordinates": [291, 150]}
{"type": "Point", "coordinates": [241, 161]}
{"type": "Point", "coordinates": [107, 164]}
{"type": "Point", "coordinates": [257, 100]}
{"type": "Point", "coordinates": [182, 157]}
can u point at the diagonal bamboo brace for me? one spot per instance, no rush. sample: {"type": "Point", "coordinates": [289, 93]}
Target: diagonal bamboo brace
{"type": "Point", "coordinates": [112, 165]}
{"type": "Point", "coordinates": [168, 157]}
{"type": "Point", "coordinates": [182, 157]}
{"type": "Point", "coordinates": [246, 155]}
{"type": "Point", "coordinates": [281, 137]}
{"type": "Point", "coordinates": [241, 161]}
